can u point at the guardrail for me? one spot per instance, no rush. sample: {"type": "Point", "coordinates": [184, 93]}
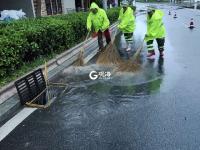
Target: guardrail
{"type": "Point", "coordinates": [57, 64]}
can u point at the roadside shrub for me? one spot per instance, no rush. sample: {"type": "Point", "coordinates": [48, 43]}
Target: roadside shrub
{"type": "Point", "coordinates": [113, 14]}
{"type": "Point", "coordinates": [10, 53]}
{"type": "Point", "coordinates": [25, 40]}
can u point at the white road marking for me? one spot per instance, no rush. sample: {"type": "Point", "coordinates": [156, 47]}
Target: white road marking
{"type": "Point", "coordinates": [15, 121]}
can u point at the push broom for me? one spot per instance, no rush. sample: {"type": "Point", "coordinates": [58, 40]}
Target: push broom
{"type": "Point", "coordinates": [110, 55]}
{"type": "Point", "coordinates": [80, 60]}
{"type": "Point", "coordinates": [131, 65]}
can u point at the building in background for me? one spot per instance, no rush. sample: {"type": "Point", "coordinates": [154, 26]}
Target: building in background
{"type": "Point", "coordinates": [53, 7]}
{"type": "Point", "coordinates": [36, 8]}
{"type": "Point", "coordinates": [82, 5]}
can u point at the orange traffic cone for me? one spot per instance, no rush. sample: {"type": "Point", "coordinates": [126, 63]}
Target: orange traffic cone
{"type": "Point", "coordinates": [191, 23]}
{"type": "Point", "coordinates": [175, 16]}
{"type": "Point", "coordinates": [169, 12]}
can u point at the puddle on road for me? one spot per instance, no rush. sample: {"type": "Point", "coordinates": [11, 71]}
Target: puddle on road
{"type": "Point", "coordinates": [86, 99]}
{"type": "Point", "coordinates": [148, 78]}
{"type": "Point", "coordinates": [143, 82]}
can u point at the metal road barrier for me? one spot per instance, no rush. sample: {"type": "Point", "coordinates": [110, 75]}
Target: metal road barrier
{"type": "Point", "coordinates": [55, 66]}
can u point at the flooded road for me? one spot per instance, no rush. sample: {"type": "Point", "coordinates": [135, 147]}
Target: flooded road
{"type": "Point", "coordinates": [155, 108]}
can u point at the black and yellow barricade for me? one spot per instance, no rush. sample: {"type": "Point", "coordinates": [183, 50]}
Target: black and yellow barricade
{"type": "Point", "coordinates": [35, 90]}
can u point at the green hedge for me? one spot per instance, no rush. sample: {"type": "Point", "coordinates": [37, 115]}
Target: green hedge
{"type": "Point", "coordinates": [25, 40]}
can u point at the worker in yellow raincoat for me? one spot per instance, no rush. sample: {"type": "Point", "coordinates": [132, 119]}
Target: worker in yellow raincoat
{"type": "Point", "coordinates": [127, 23]}
{"type": "Point", "coordinates": [155, 31]}
{"type": "Point", "coordinates": [98, 20]}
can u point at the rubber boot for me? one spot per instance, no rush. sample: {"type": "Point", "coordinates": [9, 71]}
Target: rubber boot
{"type": "Point", "coordinates": [128, 47]}
{"type": "Point", "coordinates": [161, 52]}
{"type": "Point", "coordinates": [151, 54]}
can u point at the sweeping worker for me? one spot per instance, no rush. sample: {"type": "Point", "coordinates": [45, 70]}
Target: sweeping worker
{"type": "Point", "coordinates": [155, 31]}
{"type": "Point", "coordinates": [127, 23]}
{"type": "Point", "coordinates": [98, 20]}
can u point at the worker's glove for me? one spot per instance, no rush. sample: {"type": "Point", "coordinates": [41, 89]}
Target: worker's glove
{"type": "Point", "coordinates": [146, 36]}
{"type": "Point", "coordinates": [119, 27]}
{"type": "Point", "coordinates": [89, 29]}
{"type": "Point", "coordinates": [94, 34]}
{"type": "Point", "coordinates": [102, 30]}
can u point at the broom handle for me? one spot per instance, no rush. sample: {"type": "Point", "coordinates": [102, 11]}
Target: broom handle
{"type": "Point", "coordinates": [115, 33]}
{"type": "Point", "coordinates": [87, 36]}
{"type": "Point", "coordinates": [138, 51]}
{"type": "Point", "coordinates": [85, 41]}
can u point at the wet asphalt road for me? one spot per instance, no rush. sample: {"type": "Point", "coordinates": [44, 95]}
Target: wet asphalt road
{"type": "Point", "coordinates": [155, 109]}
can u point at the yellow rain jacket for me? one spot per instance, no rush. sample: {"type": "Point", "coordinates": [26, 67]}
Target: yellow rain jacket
{"type": "Point", "coordinates": [99, 20]}
{"type": "Point", "coordinates": [155, 27]}
{"type": "Point", "coordinates": [127, 20]}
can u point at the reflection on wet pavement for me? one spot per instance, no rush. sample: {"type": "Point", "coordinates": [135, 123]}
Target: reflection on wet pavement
{"type": "Point", "coordinates": [155, 108]}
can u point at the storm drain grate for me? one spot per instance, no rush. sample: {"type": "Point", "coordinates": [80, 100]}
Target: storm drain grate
{"type": "Point", "coordinates": [32, 87]}
{"type": "Point", "coordinates": [35, 90]}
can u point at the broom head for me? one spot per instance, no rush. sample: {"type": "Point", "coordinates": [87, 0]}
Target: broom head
{"type": "Point", "coordinates": [80, 60]}
{"type": "Point", "coordinates": [109, 56]}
